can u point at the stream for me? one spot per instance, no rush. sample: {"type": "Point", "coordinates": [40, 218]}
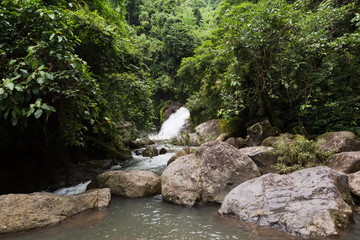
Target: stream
{"type": "Point", "coordinates": [152, 218]}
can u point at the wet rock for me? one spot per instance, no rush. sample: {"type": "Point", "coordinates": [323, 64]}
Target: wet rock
{"type": "Point", "coordinates": [263, 157]}
{"type": "Point", "coordinates": [354, 184]}
{"type": "Point", "coordinates": [22, 212]}
{"type": "Point", "coordinates": [150, 152]}
{"type": "Point", "coordinates": [162, 151]}
{"type": "Point", "coordinates": [139, 143]}
{"type": "Point", "coordinates": [258, 132]}
{"type": "Point", "coordinates": [236, 142]}
{"type": "Point", "coordinates": [343, 141]}
{"type": "Point", "coordinates": [207, 176]}
{"type": "Point", "coordinates": [183, 152]}
{"type": "Point", "coordinates": [347, 162]}
{"type": "Point", "coordinates": [133, 184]}
{"type": "Point", "coordinates": [307, 203]}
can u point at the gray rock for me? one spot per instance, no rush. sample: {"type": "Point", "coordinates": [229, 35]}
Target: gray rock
{"type": "Point", "coordinates": [182, 152]}
{"type": "Point", "coordinates": [22, 212]}
{"type": "Point", "coordinates": [204, 132]}
{"type": "Point", "coordinates": [354, 184]}
{"type": "Point", "coordinates": [307, 203]}
{"type": "Point", "coordinates": [209, 175]}
{"type": "Point", "coordinates": [347, 162]}
{"type": "Point", "coordinates": [338, 142]}
{"type": "Point", "coordinates": [263, 157]}
{"type": "Point", "coordinates": [209, 130]}
{"type": "Point", "coordinates": [150, 151]}
{"type": "Point", "coordinates": [187, 139]}
{"type": "Point", "coordinates": [180, 181]}
{"type": "Point", "coordinates": [258, 132]}
{"type": "Point", "coordinates": [133, 183]}
{"type": "Point", "coordinates": [236, 142]}
{"type": "Point", "coordinates": [278, 141]}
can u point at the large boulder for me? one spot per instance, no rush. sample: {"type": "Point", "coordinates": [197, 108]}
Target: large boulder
{"type": "Point", "coordinates": [263, 157]}
{"type": "Point", "coordinates": [347, 162]}
{"type": "Point", "coordinates": [207, 131]}
{"type": "Point", "coordinates": [210, 129]}
{"type": "Point", "coordinates": [258, 132]}
{"type": "Point", "coordinates": [338, 142]}
{"type": "Point", "coordinates": [307, 203]}
{"type": "Point", "coordinates": [133, 183]}
{"type": "Point", "coordinates": [180, 181]}
{"type": "Point", "coordinates": [22, 212]}
{"type": "Point", "coordinates": [189, 139]}
{"type": "Point", "coordinates": [354, 184]}
{"type": "Point", "coordinates": [209, 175]}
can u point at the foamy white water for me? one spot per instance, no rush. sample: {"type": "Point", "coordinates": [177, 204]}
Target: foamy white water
{"type": "Point", "coordinates": [172, 126]}
{"type": "Point", "coordinates": [80, 188]}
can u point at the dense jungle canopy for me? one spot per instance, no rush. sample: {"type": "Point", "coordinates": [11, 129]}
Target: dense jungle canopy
{"type": "Point", "coordinates": [74, 73]}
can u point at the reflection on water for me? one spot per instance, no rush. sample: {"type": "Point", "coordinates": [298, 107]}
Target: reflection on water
{"type": "Point", "coordinates": [152, 218]}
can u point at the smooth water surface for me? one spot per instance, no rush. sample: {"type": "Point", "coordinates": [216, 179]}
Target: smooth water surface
{"type": "Point", "coordinates": [152, 218]}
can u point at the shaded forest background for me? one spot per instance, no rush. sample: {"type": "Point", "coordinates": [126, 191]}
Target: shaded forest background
{"type": "Point", "coordinates": [75, 74]}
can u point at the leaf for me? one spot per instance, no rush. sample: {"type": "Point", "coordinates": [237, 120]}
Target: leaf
{"type": "Point", "coordinates": [52, 36]}
{"type": "Point", "coordinates": [31, 111]}
{"type": "Point", "coordinates": [12, 62]}
{"type": "Point", "coordinates": [51, 15]}
{"type": "Point", "coordinates": [38, 102]}
{"type": "Point", "coordinates": [48, 108]}
{"type": "Point", "coordinates": [14, 121]}
{"type": "Point", "coordinates": [38, 113]}
{"type": "Point", "coordinates": [9, 85]}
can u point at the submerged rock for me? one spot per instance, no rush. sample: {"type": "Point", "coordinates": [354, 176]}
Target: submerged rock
{"type": "Point", "coordinates": [133, 183]}
{"type": "Point", "coordinates": [258, 132]}
{"type": "Point", "coordinates": [207, 176]}
{"type": "Point", "coordinates": [347, 162]}
{"type": "Point", "coordinates": [343, 141]}
{"type": "Point", "coordinates": [263, 157]}
{"type": "Point", "coordinates": [307, 203]}
{"type": "Point", "coordinates": [22, 212]}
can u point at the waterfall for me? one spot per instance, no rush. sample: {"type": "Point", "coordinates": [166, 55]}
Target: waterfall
{"type": "Point", "coordinates": [172, 126]}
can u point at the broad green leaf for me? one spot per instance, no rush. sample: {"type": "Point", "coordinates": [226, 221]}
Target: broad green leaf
{"type": "Point", "coordinates": [38, 113]}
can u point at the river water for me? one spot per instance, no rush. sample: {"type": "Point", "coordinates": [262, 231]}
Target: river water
{"type": "Point", "coordinates": [152, 218]}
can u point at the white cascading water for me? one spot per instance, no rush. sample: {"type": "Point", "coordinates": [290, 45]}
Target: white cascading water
{"type": "Point", "coordinates": [172, 126]}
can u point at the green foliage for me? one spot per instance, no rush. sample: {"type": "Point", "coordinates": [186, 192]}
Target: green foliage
{"type": "Point", "coordinates": [41, 74]}
{"type": "Point", "coordinates": [298, 154]}
{"type": "Point", "coordinates": [48, 96]}
{"type": "Point", "coordinates": [296, 64]}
